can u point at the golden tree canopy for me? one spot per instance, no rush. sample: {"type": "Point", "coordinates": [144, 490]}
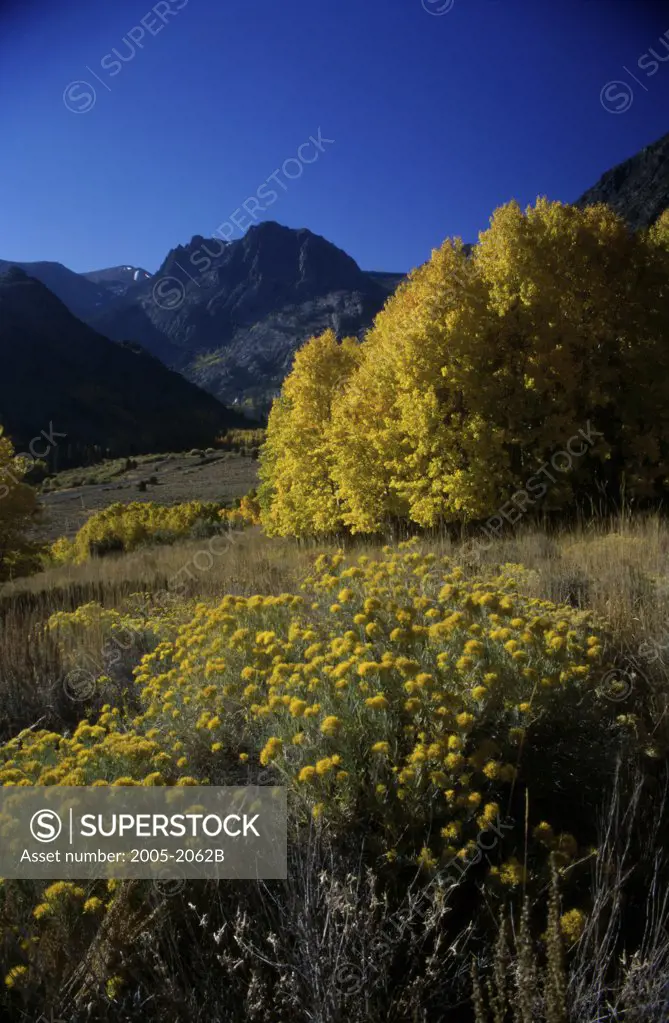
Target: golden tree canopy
{"type": "Point", "coordinates": [18, 507]}
{"type": "Point", "coordinates": [297, 495]}
{"type": "Point", "coordinates": [545, 350]}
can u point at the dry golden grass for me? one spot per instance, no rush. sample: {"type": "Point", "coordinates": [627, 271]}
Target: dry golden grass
{"type": "Point", "coordinates": [619, 568]}
{"type": "Point", "coordinates": [249, 562]}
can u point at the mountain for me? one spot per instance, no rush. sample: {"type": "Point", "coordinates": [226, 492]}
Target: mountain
{"type": "Point", "coordinates": [117, 280]}
{"type": "Point", "coordinates": [86, 295]}
{"type": "Point", "coordinates": [82, 297]}
{"type": "Point", "coordinates": [230, 316]}
{"type": "Point", "coordinates": [114, 398]}
{"type": "Point", "coordinates": [637, 189]}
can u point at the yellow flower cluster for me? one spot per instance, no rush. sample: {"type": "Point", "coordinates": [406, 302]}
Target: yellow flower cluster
{"type": "Point", "coordinates": [108, 752]}
{"type": "Point", "coordinates": [423, 716]}
{"type": "Point", "coordinates": [113, 630]}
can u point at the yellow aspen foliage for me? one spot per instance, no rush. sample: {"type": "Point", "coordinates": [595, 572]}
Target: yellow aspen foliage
{"type": "Point", "coordinates": [482, 370]}
{"type": "Point", "coordinates": [534, 368]}
{"type": "Point", "coordinates": [18, 508]}
{"type": "Point", "coordinates": [658, 234]}
{"type": "Point", "coordinates": [297, 495]}
{"type": "Point", "coordinates": [578, 346]}
{"type": "Point", "coordinates": [399, 424]}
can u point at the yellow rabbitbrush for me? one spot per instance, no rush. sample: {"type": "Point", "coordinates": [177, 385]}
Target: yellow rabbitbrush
{"type": "Point", "coordinates": [396, 689]}
{"type": "Point", "coordinates": [395, 694]}
{"type": "Point", "coordinates": [399, 688]}
{"type": "Point", "coordinates": [124, 527]}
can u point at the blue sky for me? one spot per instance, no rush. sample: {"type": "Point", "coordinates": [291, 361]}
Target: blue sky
{"type": "Point", "coordinates": [436, 118]}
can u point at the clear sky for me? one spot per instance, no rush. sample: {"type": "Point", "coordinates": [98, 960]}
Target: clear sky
{"type": "Point", "coordinates": [439, 110]}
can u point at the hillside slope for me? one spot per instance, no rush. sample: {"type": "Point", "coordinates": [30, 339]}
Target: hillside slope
{"type": "Point", "coordinates": [85, 298]}
{"type": "Point", "coordinates": [111, 397]}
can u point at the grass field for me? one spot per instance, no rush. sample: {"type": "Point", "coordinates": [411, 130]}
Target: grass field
{"type": "Point", "coordinates": [70, 497]}
{"type": "Point", "coordinates": [377, 941]}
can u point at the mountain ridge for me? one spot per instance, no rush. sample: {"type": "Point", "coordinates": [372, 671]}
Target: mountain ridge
{"type": "Point", "coordinates": [238, 337]}
{"type": "Point", "coordinates": [111, 398]}
{"type": "Point", "coordinates": [229, 316]}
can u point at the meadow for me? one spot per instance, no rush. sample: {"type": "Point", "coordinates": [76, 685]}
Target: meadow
{"type": "Point", "coordinates": [71, 496]}
{"type": "Point", "coordinates": [413, 697]}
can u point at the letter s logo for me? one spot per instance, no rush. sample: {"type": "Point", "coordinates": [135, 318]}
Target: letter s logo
{"type": "Point", "coordinates": [79, 97]}
{"type": "Point", "coordinates": [168, 293]}
{"type": "Point", "coordinates": [617, 97]}
{"type": "Point", "coordinates": [45, 826]}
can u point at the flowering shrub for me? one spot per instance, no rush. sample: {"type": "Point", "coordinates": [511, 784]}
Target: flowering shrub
{"type": "Point", "coordinates": [399, 688]}
{"type": "Point", "coordinates": [241, 440]}
{"type": "Point", "coordinates": [395, 693]}
{"type": "Point", "coordinates": [95, 754]}
{"type": "Point", "coordinates": [124, 527]}
{"type": "Point", "coordinates": [72, 627]}
{"type": "Point", "coordinates": [404, 691]}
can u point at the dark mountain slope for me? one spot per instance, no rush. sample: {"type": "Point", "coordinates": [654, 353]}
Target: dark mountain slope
{"type": "Point", "coordinates": [82, 297]}
{"type": "Point", "coordinates": [637, 189]}
{"type": "Point", "coordinates": [56, 370]}
{"type": "Point", "coordinates": [388, 281]}
{"type": "Point", "coordinates": [230, 316]}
